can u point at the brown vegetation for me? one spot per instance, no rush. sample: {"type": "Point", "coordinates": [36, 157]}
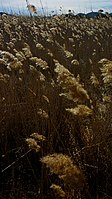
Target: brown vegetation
{"type": "Point", "coordinates": [56, 98]}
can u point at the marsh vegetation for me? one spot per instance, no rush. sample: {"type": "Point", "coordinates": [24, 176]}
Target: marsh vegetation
{"type": "Point", "coordinates": [55, 107]}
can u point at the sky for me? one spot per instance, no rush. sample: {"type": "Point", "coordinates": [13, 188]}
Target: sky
{"type": "Point", "coordinates": [76, 5]}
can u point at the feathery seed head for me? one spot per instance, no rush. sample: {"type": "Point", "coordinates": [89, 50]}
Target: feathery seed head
{"type": "Point", "coordinates": [33, 144]}
{"type": "Point", "coordinates": [58, 191]}
{"type": "Point", "coordinates": [80, 110]}
{"type": "Point", "coordinates": [38, 137]}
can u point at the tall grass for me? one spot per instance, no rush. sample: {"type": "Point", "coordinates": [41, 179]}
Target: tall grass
{"type": "Point", "coordinates": [55, 94]}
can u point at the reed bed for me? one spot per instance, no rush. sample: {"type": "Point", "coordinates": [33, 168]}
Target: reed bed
{"type": "Point", "coordinates": [55, 107]}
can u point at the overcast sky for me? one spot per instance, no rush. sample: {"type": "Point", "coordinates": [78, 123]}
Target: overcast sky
{"type": "Point", "coordinates": [76, 5]}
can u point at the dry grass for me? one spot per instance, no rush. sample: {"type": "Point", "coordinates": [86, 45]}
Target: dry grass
{"type": "Point", "coordinates": [56, 88]}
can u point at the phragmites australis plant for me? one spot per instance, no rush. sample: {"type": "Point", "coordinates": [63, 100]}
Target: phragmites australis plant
{"type": "Point", "coordinates": [55, 79]}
